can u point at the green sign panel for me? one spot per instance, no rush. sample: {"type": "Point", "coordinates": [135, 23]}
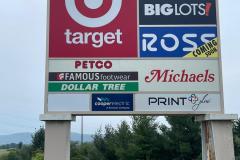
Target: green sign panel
{"type": "Point", "coordinates": [93, 87]}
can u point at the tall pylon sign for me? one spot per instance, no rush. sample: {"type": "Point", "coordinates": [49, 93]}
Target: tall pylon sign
{"type": "Point", "coordinates": [125, 57]}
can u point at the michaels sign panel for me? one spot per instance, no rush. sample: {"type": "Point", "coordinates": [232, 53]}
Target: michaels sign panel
{"type": "Point", "coordinates": [125, 57]}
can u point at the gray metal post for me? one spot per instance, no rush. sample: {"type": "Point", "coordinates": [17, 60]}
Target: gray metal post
{"type": "Point", "coordinates": [217, 137]}
{"type": "Point", "coordinates": [82, 130]}
{"type": "Point", "coordinates": [57, 136]}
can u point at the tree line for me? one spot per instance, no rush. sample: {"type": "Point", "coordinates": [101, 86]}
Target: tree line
{"type": "Point", "coordinates": [20, 151]}
{"type": "Point", "coordinates": [143, 139]}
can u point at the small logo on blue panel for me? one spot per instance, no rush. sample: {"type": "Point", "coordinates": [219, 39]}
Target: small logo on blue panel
{"type": "Point", "coordinates": [112, 102]}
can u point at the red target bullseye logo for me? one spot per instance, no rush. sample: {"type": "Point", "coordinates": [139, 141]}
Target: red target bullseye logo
{"type": "Point", "coordinates": [93, 28]}
{"type": "Point", "coordinates": [93, 5]}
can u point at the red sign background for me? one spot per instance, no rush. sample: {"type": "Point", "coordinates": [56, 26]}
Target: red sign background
{"type": "Point", "coordinates": [60, 20]}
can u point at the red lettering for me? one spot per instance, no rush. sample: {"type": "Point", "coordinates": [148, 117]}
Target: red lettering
{"type": "Point", "coordinates": [85, 65]}
{"type": "Point", "coordinates": [211, 78]}
{"type": "Point", "coordinates": [108, 64]}
{"type": "Point", "coordinates": [99, 65]}
{"type": "Point", "coordinates": [93, 64]}
{"type": "Point", "coordinates": [158, 75]}
{"type": "Point", "coordinates": [200, 77]}
{"type": "Point", "coordinates": [176, 78]}
{"type": "Point", "coordinates": [206, 76]}
{"type": "Point", "coordinates": [171, 76]}
{"type": "Point", "coordinates": [184, 77]}
{"type": "Point", "coordinates": [77, 64]}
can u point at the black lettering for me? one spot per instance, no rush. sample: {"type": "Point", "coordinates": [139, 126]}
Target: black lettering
{"type": "Point", "coordinates": [152, 100]}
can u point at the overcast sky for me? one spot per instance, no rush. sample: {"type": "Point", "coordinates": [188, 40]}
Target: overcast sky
{"type": "Point", "coordinates": [22, 60]}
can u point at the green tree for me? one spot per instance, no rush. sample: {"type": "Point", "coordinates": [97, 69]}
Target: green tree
{"type": "Point", "coordinates": [145, 135]}
{"type": "Point", "coordinates": [75, 151]}
{"type": "Point", "coordinates": [106, 143]}
{"type": "Point", "coordinates": [184, 137]}
{"type": "Point", "coordinates": [20, 145]}
{"type": "Point", "coordinates": [236, 138]}
{"type": "Point", "coordinates": [115, 144]}
{"type": "Point", "coordinates": [146, 139]}
{"type": "Point", "coordinates": [37, 147]}
{"type": "Point", "coordinates": [25, 152]}
{"type": "Point", "coordinates": [86, 151]}
{"type": "Point", "coordinates": [13, 155]}
{"type": "Point", "coordinates": [38, 140]}
{"type": "Point", "coordinates": [38, 156]}
{"type": "Point", "coordinates": [18, 154]}
{"type": "Point", "coordinates": [124, 146]}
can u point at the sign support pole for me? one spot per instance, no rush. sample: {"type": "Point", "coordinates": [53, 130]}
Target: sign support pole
{"type": "Point", "coordinates": [82, 130]}
{"type": "Point", "coordinates": [217, 137]}
{"type": "Point", "coordinates": [57, 136]}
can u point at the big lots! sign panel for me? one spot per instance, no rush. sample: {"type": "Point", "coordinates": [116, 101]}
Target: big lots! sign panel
{"type": "Point", "coordinates": [133, 57]}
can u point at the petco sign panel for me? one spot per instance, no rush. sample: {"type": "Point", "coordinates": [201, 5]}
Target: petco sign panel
{"type": "Point", "coordinates": [128, 57]}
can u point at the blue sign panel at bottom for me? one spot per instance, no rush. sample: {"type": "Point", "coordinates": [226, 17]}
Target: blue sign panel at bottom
{"type": "Point", "coordinates": [112, 102]}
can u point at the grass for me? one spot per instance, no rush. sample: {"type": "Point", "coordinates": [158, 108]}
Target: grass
{"type": "Point", "coordinates": [3, 152]}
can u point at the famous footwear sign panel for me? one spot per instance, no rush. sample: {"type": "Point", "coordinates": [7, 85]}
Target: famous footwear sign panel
{"type": "Point", "coordinates": [133, 57]}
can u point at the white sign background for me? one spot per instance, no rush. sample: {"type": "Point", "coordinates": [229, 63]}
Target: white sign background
{"type": "Point", "coordinates": [204, 103]}
{"type": "Point", "coordinates": [144, 67]}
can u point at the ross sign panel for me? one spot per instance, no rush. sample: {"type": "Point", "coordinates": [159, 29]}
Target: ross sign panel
{"type": "Point", "coordinates": [133, 57]}
{"type": "Point", "coordinates": [178, 42]}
